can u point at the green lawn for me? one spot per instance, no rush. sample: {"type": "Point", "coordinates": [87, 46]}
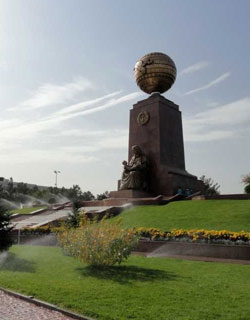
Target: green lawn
{"type": "Point", "coordinates": [142, 288]}
{"type": "Point", "coordinates": [27, 210]}
{"type": "Point", "coordinates": [231, 215]}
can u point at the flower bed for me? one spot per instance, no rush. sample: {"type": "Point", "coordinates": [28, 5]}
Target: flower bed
{"type": "Point", "coordinates": [41, 230]}
{"type": "Point", "coordinates": [180, 235]}
{"type": "Point", "coordinates": [194, 235]}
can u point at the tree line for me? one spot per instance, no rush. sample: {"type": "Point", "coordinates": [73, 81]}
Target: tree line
{"type": "Point", "coordinates": [21, 192]}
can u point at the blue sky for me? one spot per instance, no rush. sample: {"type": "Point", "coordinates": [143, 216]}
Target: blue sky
{"type": "Point", "coordinates": [66, 86]}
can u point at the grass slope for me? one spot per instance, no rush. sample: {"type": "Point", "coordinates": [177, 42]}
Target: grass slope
{"type": "Point", "coordinates": [231, 215]}
{"type": "Point", "coordinates": [142, 288]}
{"type": "Point", "coordinates": [27, 210]}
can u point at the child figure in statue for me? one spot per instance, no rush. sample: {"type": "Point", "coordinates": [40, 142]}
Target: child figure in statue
{"type": "Point", "coordinates": [134, 175]}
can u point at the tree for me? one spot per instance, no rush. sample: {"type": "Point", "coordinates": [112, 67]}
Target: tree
{"type": "Point", "coordinates": [246, 180]}
{"type": "Point", "coordinates": [74, 193]}
{"type": "Point", "coordinates": [74, 217]}
{"type": "Point", "coordinates": [10, 189]}
{"type": "Point", "coordinates": [3, 193]}
{"type": "Point", "coordinates": [22, 188]}
{"type": "Point", "coordinates": [247, 188]}
{"type": "Point", "coordinates": [103, 195]}
{"type": "Point", "coordinates": [87, 196]}
{"type": "Point", "coordinates": [211, 187]}
{"type": "Point", "coordinates": [5, 228]}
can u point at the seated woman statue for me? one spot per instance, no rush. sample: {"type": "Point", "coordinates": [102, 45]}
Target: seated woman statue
{"type": "Point", "coordinates": [134, 175]}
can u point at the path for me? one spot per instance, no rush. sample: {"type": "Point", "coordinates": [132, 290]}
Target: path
{"type": "Point", "coordinates": [43, 218]}
{"type": "Point", "coordinates": [12, 308]}
{"type": "Point", "coordinates": [40, 219]}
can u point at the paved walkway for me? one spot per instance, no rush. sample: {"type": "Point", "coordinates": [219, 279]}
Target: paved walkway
{"type": "Point", "coordinates": [40, 219]}
{"type": "Point", "coordinates": [51, 215]}
{"type": "Point", "coordinates": [12, 308]}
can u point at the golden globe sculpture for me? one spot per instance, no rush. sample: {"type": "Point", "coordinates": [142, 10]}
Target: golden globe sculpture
{"type": "Point", "coordinates": [155, 72]}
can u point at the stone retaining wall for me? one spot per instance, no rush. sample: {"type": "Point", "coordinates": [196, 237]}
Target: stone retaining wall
{"type": "Point", "coordinates": [160, 248]}
{"type": "Point", "coordinates": [240, 196]}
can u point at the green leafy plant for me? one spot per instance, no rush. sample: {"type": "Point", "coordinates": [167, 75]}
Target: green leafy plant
{"type": "Point", "coordinates": [98, 243]}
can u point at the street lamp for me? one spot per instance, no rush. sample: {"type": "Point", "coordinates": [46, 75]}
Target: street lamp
{"type": "Point", "coordinates": [56, 173]}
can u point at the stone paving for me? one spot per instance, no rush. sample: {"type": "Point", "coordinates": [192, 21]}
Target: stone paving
{"type": "Point", "coordinates": [50, 215]}
{"type": "Point", "coordinates": [40, 219]}
{"type": "Point", "coordinates": [12, 308]}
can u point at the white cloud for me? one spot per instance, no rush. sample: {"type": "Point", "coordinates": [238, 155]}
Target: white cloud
{"type": "Point", "coordinates": [7, 123]}
{"type": "Point", "coordinates": [88, 149]}
{"type": "Point", "coordinates": [210, 84]}
{"type": "Point", "coordinates": [36, 155]}
{"type": "Point", "coordinates": [86, 104]}
{"type": "Point", "coordinates": [98, 139]}
{"type": "Point", "coordinates": [213, 104]}
{"type": "Point", "coordinates": [36, 139]}
{"type": "Point", "coordinates": [218, 123]}
{"type": "Point", "coordinates": [26, 128]}
{"type": "Point", "coordinates": [3, 65]}
{"type": "Point", "coordinates": [195, 67]}
{"type": "Point", "coordinates": [232, 113]}
{"type": "Point", "coordinates": [56, 118]}
{"type": "Point", "coordinates": [51, 94]}
{"type": "Point", "coordinates": [79, 148]}
{"type": "Point", "coordinates": [197, 136]}
{"type": "Point", "coordinates": [110, 103]}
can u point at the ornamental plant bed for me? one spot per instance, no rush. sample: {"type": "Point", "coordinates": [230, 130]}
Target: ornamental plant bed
{"type": "Point", "coordinates": [196, 235]}
{"type": "Point", "coordinates": [178, 235]}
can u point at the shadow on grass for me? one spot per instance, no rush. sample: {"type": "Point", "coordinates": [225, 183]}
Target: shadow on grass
{"type": "Point", "coordinates": [14, 263]}
{"type": "Point", "coordinates": [126, 274]}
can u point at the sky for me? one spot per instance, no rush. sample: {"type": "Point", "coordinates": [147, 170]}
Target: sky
{"type": "Point", "coordinates": [67, 85]}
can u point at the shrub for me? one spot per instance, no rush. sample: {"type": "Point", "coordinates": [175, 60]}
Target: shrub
{"type": "Point", "coordinates": [5, 228]}
{"type": "Point", "coordinates": [98, 244]}
{"type": "Point", "coordinates": [247, 188]}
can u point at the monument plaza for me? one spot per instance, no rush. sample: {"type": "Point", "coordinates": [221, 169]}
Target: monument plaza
{"type": "Point", "coordinates": [156, 163]}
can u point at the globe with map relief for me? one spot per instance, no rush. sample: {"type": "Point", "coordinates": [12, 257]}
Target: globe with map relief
{"type": "Point", "coordinates": [155, 72]}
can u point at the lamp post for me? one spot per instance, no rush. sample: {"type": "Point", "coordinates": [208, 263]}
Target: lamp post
{"type": "Point", "coordinates": [56, 173]}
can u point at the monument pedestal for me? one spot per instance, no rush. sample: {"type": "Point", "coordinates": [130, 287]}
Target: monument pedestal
{"type": "Point", "coordinates": [156, 127]}
{"type": "Point", "coordinates": [127, 194]}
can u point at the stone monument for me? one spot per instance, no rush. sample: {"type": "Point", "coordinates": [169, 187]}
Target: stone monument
{"type": "Point", "coordinates": [156, 129]}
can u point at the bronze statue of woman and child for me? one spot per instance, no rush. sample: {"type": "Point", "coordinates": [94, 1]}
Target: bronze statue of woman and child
{"type": "Point", "coordinates": [134, 174]}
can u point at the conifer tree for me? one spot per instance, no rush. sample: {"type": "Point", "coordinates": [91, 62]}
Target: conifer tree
{"type": "Point", "coordinates": [5, 228]}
